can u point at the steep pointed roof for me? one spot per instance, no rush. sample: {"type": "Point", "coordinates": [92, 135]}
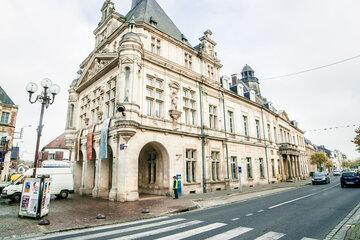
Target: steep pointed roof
{"type": "Point", "coordinates": [58, 142]}
{"type": "Point", "coordinates": [150, 12]}
{"type": "Point", "coordinates": [4, 98]}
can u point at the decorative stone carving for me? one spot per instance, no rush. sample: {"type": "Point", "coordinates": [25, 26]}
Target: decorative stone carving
{"type": "Point", "coordinates": [98, 65]}
{"type": "Point", "coordinates": [174, 112]}
{"type": "Point", "coordinates": [100, 115]}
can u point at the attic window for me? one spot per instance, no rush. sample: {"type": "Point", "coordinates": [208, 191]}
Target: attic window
{"type": "Point", "coordinates": [153, 22]}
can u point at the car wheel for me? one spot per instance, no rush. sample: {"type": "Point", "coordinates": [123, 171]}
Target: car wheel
{"type": "Point", "coordinates": [343, 185]}
{"type": "Point", "coordinates": [64, 194]}
{"type": "Point", "coordinates": [313, 183]}
{"type": "Point", "coordinates": [16, 197]}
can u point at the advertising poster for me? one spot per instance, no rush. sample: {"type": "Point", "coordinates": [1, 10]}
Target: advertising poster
{"type": "Point", "coordinates": [30, 197]}
{"type": "Point", "coordinates": [45, 202]}
{"type": "Point", "coordinates": [89, 143]}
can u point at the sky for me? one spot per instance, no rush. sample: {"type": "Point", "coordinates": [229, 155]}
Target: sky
{"type": "Point", "coordinates": [42, 38]}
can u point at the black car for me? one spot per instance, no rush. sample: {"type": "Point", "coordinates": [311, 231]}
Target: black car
{"type": "Point", "coordinates": [349, 179]}
{"type": "Point", "coordinates": [320, 177]}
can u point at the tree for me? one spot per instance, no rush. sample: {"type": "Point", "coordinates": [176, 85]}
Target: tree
{"type": "Point", "coordinates": [318, 159]}
{"type": "Point", "coordinates": [356, 140]}
{"type": "Point", "coordinates": [329, 165]}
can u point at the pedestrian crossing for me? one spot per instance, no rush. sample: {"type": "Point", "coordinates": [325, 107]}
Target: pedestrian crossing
{"type": "Point", "coordinates": [166, 228]}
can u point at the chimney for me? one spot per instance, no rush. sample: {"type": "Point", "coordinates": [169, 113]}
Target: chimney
{"type": "Point", "coordinates": [234, 78]}
{"type": "Point", "coordinates": [134, 3]}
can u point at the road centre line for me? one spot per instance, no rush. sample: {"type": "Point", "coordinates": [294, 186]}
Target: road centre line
{"type": "Point", "coordinates": [261, 210]}
{"type": "Point", "coordinates": [248, 215]}
{"type": "Point", "coordinates": [234, 219]}
{"type": "Point", "coordinates": [299, 198]}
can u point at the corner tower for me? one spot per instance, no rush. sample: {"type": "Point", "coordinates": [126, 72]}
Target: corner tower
{"type": "Point", "coordinates": [248, 77]}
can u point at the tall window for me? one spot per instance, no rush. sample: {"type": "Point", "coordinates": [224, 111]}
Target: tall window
{"type": "Point", "coordinates": [275, 135]}
{"type": "Point", "coordinates": [151, 161]}
{"type": "Point", "coordinates": [281, 136]}
{"type": "Point", "coordinates": [110, 98]}
{"type": "Point", "coordinates": [246, 128]}
{"type": "Point", "coordinates": [257, 124]}
{"type": "Point", "coordinates": [273, 167]}
{"type": "Point", "coordinates": [249, 168]}
{"type": "Point", "coordinates": [188, 61]}
{"type": "Point", "coordinates": [96, 104]}
{"type": "Point", "coordinates": [211, 73]}
{"type": "Point", "coordinates": [127, 84]}
{"type": "Point", "coordinates": [189, 99]}
{"type": "Point", "coordinates": [190, 165]}
{"type": "Point", "coordinates": [261, 164]}
{"type": "Point", "coordinates": [234, 173]}
{"type": "Point", "coordinates": [279, 166]}
{"type": "Point", "coordinates": [269, 132]}
{"type": "Point", "coordinates": [213, 116]}
{"type": "Point", "coordinates": [71, 116]}
{"type": "Point", "coordinates": [215, 165]}
{"type": "Point", "coordinates": [154, 97]}
{"type": "Point", "coordinates": [5, 117]}
{"type": "Point", "coordinates": [231, 121]}
{"type": "Point", "coordinates": [155, 45]}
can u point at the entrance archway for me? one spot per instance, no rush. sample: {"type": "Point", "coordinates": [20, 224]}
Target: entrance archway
{"type": "Point", "coordinates": [153, 170]}
{"type": "Point", "coordinates": [90, 173]}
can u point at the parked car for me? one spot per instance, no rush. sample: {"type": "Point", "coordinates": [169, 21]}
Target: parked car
{"type": "Point", "coordinates": [320, 177]}
{"type": "Point", "coordinates": [349, 178]}
{"type": "Point", "coordinates": [336, 172]}
{"type": "Point", "coordinates": [62, 183]}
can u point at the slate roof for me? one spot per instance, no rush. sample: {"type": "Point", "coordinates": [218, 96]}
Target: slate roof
{"type": "Point", "coordinates": [149, 10]}
{"type": "Point", "coordinates": [59, 142]}
{"type": "Point", "coordinates": [4, 98]}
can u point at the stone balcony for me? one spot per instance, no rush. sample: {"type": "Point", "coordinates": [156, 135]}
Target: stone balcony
{"type": "Point", "coordinates": [288, 148]}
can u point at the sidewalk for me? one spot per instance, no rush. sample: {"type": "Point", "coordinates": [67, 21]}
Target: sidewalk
{"type": "Point", "coordinates": [348, 228]}
{"type": "Point", "coordinates": [80, 212]}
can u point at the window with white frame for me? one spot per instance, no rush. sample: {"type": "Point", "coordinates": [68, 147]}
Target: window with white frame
{"type": "Point", "coordinates": [234, 172]}
{"type": "Point", "coordinates": [249, 168]}
{"type": "Point", "coordinates": [269, 132]}
{"type": "Point", "coordinates": [95, 107]}
{"type": "Point", "coordinates": [5, 117]}
{"type": "Point", "coordinates": [189, 108]}
{"type": "Point", "coordinates": [154, 97]}
{"type": "Point", "coordinates": [215, 165]}
{"type": "Point", "coordinates": [231, 121]}
{"type": "Point", "coordinates": [246, 125]}
{"type": "Point", "coordinates": [257, 125]}
{"type": "Point", "coordinates": [190, 165]}
{"type": "Point", "coordinates": [212, 116]}
{"type": "Point", "coordinates": [110, 98]}
{"type": "Point", "coordinates": [155, 45]}
{"type": "Point", "coordinates": [51, 156]}
{"type": "Point", "coordinates": [261, 165]}
{"type": "Point", "coordinates": [188, 61]}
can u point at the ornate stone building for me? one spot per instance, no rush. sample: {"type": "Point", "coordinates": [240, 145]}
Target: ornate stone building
{"type": "Point", "coordinates": [8, 113]}
{"type": "Point", "coordinates": [148, 105]}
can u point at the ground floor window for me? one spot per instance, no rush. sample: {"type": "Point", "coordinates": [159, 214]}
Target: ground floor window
{"type": "Point", "coordinates": [249, 168]}
{"type": "Point", "coordinates": [190, 165]}
{"type": "Point", "coordinates": [261, 164]}
{"type": "Point", "coordinates": [273, 167]}
{"type": "Point", "coordinates": [233, 163]}
{"type": "Point", "coordinates": [215, 165]}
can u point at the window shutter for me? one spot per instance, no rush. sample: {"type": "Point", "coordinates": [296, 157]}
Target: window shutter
{"type": "Point", "coordinates": [59, 155]}
{"type": "Point", "coordinates": [45, 155]}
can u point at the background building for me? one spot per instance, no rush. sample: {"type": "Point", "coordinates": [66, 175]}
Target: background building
{"type": "Point", "coordinates": [56, 150]}
{"type": "Point", "coordinates": [148, 105]}
{"type": "Point", "coordinates": [8, 113]}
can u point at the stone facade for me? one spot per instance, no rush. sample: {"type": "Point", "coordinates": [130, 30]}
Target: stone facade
{"type": "Point", "coordinates": [8, 113]}
{"type": "Point", "coordinates": [171, 114]}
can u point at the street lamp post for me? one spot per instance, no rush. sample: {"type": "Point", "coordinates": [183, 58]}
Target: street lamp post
{"type": "Point", "coordinates": [46, 98]}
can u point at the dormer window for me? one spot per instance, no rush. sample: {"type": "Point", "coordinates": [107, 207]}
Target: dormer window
{"type": "Point", "coordinates": [155, 45]}
{"type": "Point", "coordinates": [211, 73]}
{"type": "Point", "coordinates": [188, 61]}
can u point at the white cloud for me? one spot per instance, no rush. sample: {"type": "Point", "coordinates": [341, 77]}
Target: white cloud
{"type": "Point", "coordinates": [51, 38]}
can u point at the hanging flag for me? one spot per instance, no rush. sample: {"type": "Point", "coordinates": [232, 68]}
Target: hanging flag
{"type": "Point", "coordinates": [104, 139]}
{"type": "Point", "coordinates": [89, 143]}
{"type": "Point", "coordinates": [77, 144]}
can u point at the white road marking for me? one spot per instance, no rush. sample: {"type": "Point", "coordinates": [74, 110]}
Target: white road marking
{"type": "Point", "coordinates": [130, 229]}
{"type": "Point", "coordinates": [234, 219]}
{"type": "Point", "coordinates": [104, 227]}
{"type": "Point", "coordinates": [193, 232]}
{"type": "Point", "coordinates": [271, 236]}
{"type": "Point", "coordinates": [260, 211]}
{"type": "Point", "coordinates": [158, 231]}
{"type": "Point", "coordinates": [231, 233]}
{"type": "Point", "coordinates": [249, 214]}
{"type": "Point", "coordinates": [299, 198]}
{"type": "Point", "coordinates": [305, 238]}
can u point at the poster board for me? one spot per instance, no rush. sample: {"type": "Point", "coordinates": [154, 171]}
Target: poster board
{"type": "Point", "coordinates": [30, 197]}
{"type": "Point", "coordinates": [45, 201]}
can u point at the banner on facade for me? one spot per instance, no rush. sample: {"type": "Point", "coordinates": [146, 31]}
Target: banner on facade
{"type": "Point", "coordinates": [77, 144]}
{"type": "Point", "coordinates": [104, 139]}
{"type": "Point", "coordinates": [89, 143]}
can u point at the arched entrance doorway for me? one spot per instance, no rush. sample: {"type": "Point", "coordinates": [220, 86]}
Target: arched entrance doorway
{"type": "Point", "coordinates": [90, 173]}
{"type": "Point", "coordinates": [78, 169]}
{"type": "Point", "coordinates": [153, 170]}
{"type": "Point", "coordinates": [106, 173]}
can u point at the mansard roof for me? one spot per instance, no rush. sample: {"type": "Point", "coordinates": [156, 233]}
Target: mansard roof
{"type": "Point", "coordinates": [150, 12]}
{"type": "Point", "coordinates": [4, 98]}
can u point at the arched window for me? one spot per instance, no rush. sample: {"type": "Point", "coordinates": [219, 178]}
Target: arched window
{"type": "Point", "coordinates": [127, 84]}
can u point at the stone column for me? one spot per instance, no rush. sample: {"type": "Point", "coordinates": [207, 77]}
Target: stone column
{"type": "Point", "coordinates": [290, 175]}
{"type": "Point", "coordinates": [84, 171]}
{"type": "Point", "coordinates": [282, 168]}
{"type": "Point", "coordinates": [95, 191]}
{"type": "Point", "coordinates": [114, 142]}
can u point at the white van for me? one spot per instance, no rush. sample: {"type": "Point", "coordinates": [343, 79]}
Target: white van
{"type": "Point", "coordinates": [62, 183]}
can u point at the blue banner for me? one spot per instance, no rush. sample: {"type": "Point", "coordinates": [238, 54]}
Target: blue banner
{"type": "Point", "coordinates": [104, 139]}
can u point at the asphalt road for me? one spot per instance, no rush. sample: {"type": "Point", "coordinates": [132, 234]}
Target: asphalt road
{"type": "Point", "coordinates": [310, 212]}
